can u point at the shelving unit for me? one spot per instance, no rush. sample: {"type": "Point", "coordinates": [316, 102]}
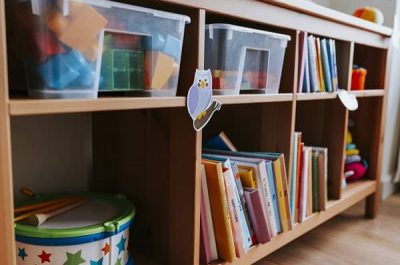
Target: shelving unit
{"type": "Point", "coordinates": [147, 149]}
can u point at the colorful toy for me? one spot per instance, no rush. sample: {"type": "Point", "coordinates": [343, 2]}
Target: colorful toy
{"type": "Point", "coordinates": [94, 232]}
{"type": "Point", "coordinates": [47, 45]}
{"type": "Point", "coordinates": [162, 69]}
{"type": "Point", "coordinates": [355, 166]}
{"type": "Point", "coordinates": [75, 31]}
{"type": "Point", "coordinates": [358, 78]}
{"type": "Point", "coordinates": [370, 13]}
{"type": "Point", "coordinates": [172, 47]}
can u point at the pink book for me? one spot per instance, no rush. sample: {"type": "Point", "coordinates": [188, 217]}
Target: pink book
{"type": "Point", "coordinates": [205, 250]}
{"type": "Point", "coordinates": [257, 215]}
{"type": "Point", "coordinates": [302, 54]}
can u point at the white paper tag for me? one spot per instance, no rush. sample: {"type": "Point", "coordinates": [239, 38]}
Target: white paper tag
{"type": "Point", "coordinates": [348, 100]}
{"type": "Point", "coordinates": [199, 102]}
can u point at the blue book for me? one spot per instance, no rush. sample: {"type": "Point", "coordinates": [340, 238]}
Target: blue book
{"type": "Point", "coordinates": [325, 66]}
{"type": "Point", "coordinates": [306, 78]}
{"type": "Point", "coordinates": [220, 142]}
{"type": "Point", "coordinates": [271, 180]}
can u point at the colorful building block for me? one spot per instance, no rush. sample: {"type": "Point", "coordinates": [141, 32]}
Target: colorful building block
{"type": "Point", "coordinates": [86, 71]}
{"type": "Point", "coordinates": [172, 47]}
{"type": "Point", "coordinates": [82, 29]}
{"type": "Point", "coordinates": [91, 53]}
{"type": "Point", "coordinates": [162, 69]}
{"type": "Point", "coordinates": [46, 45]}
{"type": "Point", "coordinates": [57, 23]}
{"type": "Point", "coordinates": [56, 72]}
{"type": "Point", "coordinates": [122, 69]}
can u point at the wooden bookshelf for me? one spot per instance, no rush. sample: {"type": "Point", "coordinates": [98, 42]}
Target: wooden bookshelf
{"type": "Point", "coordinates": [126, 134]}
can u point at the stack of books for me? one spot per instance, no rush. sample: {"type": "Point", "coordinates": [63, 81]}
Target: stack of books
{"type": "Point", "coordinates": [308, 183]}
{"type": "Point", "coordinates": [247, 198]}
{"type": "Point", "coordinates": [317, 64]}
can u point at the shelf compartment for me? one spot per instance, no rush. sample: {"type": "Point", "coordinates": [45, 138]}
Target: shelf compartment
{"type": "Point", "coordinates": [323, 124]}
{"type": "Point", "coordinates": [354, 193]}
{"type": "Point", "coordinates": [138, 153]}
{"type": "Point", "coordinates": [375, 63]}
{"type": "Point", "coordinates": [20, 107]}
{"type": "Point", "coordinates": [264, 127]}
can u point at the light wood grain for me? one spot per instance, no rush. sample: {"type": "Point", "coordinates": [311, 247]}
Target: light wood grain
{"type": "Point", "coordinates": [354, 193]}
{"type": "Point", "coordinates": [368, 93]}
{"type": "Point", "coordinates": [246, 99]}
{"type": "Point", "coordinates": [272, 14]}
{"type": "Point", "coordinates": [7, 242]}
{"type": "Point", "coordinates": [316, 96]}
{"type": "Point", "coordinates": [347, 239]}
{"type": "Point", "coordinates": [20, 107]}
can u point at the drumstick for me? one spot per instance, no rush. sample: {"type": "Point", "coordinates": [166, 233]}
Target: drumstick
{"type": "Point", "coordinates": [42, 204]}
{"type": "Point", "coordinates": [39, 218]}
{"type": "Point", "coordinates": [28, 192]}
{"type": "Point", "coordinates": [48, 208]}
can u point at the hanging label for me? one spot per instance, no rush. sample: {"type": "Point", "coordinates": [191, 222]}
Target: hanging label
{"type": "Point", "coordinates": [200, 103]}
{"type": "Point", "coordinates": [348, 100]}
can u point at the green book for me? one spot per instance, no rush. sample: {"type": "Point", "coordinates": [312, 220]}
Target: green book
{"type": "Point", "coordinates": [315, 194]}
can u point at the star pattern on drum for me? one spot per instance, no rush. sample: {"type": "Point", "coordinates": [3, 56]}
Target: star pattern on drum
{"type": "Point", "coordinates": [99, 262]}
{"type": "Point", "coordinates": [44, 257]}
{"type": "Point", "coordinates": [118, 262]}
{"type": "Point", "coordinates": [22, 253]}
{"type": "Point", "coordinates": [121, 244]}
{"type": "Point", "coordinates": [74, 259]}
{"type": "Point", "coordinates": [106, 249]}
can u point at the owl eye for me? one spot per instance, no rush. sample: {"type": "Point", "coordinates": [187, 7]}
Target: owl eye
{"type": "Point", "coordinates": [205, 79]}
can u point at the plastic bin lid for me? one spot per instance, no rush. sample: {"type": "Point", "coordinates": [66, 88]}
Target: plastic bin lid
{"type": "Point", "coordinates": [110, 4]}
{"type": "Point", "coordinates": [247, 30]}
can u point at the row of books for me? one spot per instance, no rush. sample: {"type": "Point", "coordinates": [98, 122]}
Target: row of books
{"type": "Point", "coordinates": [317, 64]}
{"type": "Point", "coordinates": [308, 183]}
{"type": "Point", "coordinates": [246, 197]}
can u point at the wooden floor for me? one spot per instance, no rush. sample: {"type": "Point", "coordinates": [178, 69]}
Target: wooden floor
{"type": "Point", "coordinates": [348, 239]}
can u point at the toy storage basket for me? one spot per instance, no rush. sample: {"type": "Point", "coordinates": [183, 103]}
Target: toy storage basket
{"type": "Point", "coordinates": [97, 231]}
{"type": "Point", "coordinates": [244, 60]}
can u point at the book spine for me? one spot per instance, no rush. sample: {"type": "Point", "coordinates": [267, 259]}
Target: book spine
{"type": "Point", "coordinates": [325, 66]}
{"type": "Point", "coordinates": [292, 179]}
{"type": "Point", "coordinates": [268, 198]}
{"type": "Point", "coordinates": [319, 65]}
{"type": "Point", "coordinates": [315, 186]}
{"type": "Point", "coordinates": [281, 197]}
{"type": "Point", "coordinates": [306, 80]}
{"type": "Point", "coordinates": [321, 181]}
{"type": "Point", "coordinates": [335, 72]}
{"type": "Point", "coordinates": [207, 207]}
{"type": "Point", "coordinates": [274, 195]}
{"type": "Point", "coordinates": [234, 214]}
{"type": "Point", "coordinates": [281, 161]}
{"type": "Point", "coordinates": [302, 42]}
{"type": "Point", "coordinates": [304, 186]}
{"type": "Point", "coordinates": [257, 216]}
{"type": "Point", "coordinates": [309, 183]}
{"type": "Point", "coordinates": [298, 176]}
{"type": "Point", "coordinates": [312, 64]}
{"type": "Point", "coordinates": [205, 250]}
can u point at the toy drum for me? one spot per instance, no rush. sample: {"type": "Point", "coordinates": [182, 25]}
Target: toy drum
{"type": "Point", "coordinates": [93, 233]}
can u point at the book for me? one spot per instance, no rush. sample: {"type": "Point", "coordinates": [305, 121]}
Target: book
{"type": "Point", "coordinates": [325, 66]}
{"type": "Point", "coordinates": [300, 183]}
{"type": "Point", "coordinates": [221, 142]}
{"type": "Point", "coordinates": [304, 185]}
{"type": "Point", "coordinates": [207, 210]}
{"type": "Point", "coordinates": [205, 250]}
{"type": "Point", "coordinates": [319, 66]}
{"type": "Point", "coordinates": [220, 210]}
{"type": "Point", "coordinates": [298, 176]}
{"type": "Point", "coordinates": [302, 56]}
{"type": "Point", "coordinates": [335, 72]}
{"type": "Point", "coordinates": [247, 176]}
{"type": "Point", "coordinates": [240, 191]}
{"type": "Point", "coordinates": [233, 204]}
{"type": "Point", "coordinates": [274, 195]}
{"type": "Point", "coordinates": [292, 178]}
{"type": "Point", "coordinates": [312, 62]}
{"type": "Point", "coordinates": [309, 183]}
{"type": "Point", "coordinates": [322, 177]}
{"type": "Point", "coordinates": [315, 186]}
{"type": "Point", "coordinates": [306, 77]}
{"type": "Point", "coordinates": [257, 215]}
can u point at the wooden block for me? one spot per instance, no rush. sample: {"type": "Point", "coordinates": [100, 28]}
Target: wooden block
{"type": "Point", "coordinates": [57, 23]}
{"type": "Point", "coordinates": [83, 28]}
{"type": "Point", "coordinates": [163, 68]}
{"type": "Point", "coordinates": [92, 52]}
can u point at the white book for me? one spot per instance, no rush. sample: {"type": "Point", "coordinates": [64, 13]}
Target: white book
{"type": "Point", "coordinates": [210, 224]}
{"type": "Point", "coordinates": [304, 185]}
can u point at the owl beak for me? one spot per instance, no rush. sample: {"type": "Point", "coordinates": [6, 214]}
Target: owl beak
{"type": "Point", "coordinates": [203, 84]}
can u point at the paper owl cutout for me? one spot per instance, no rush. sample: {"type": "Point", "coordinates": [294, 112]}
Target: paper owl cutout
{"type": "Point", "coordinates": [200, 103]}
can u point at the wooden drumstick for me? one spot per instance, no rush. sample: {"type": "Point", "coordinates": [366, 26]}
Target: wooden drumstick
{"type": "Point", "coordinates": [43, 204]}
{"type": "Point", "coordinates": [48, 208]}
{"type": "Point", "coordinates": [39, 218]}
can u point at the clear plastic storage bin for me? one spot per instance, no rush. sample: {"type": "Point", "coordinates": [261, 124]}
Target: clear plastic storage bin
{"type": "Point", "coordinates": [244, 60]}
{"type": "Point", "coordinates": [75, 48]}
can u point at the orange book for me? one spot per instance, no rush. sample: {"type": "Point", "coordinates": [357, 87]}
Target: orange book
{"type": "Point", "coordinates": [220, 210]}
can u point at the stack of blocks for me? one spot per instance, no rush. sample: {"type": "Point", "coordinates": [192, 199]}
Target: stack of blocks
{"type": "Point", "coordinates": [69, 50]}
{"type": "Point", "coordinates": [355, 166]}
{"type": "Point", "coordinates": [223, 79]}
